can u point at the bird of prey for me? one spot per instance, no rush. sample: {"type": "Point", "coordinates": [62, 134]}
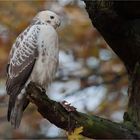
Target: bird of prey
{"type": "Point", "coordinates": [33, 58]}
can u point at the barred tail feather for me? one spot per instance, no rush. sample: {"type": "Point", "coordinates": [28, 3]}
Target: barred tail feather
{"type": "Point", "coordinates": [16, 108]}
{"type": "Point", "coordinates": [12, 101]}
{"type": "Point", "coordinates": [16, 114]}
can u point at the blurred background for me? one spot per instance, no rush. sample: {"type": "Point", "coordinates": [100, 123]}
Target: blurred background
{"type": "Point", "coordinates": [90, 75]}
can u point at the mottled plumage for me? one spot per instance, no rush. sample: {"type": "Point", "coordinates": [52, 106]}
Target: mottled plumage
{"type": "Point", "coordinates": [33, 57]}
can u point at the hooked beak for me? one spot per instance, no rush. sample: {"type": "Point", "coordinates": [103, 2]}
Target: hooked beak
{"type": "Point", "coordinates": [58, 24]}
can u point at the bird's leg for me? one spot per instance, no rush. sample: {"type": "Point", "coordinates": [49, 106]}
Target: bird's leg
{"type": "Point", "coordinates": [41, 88]}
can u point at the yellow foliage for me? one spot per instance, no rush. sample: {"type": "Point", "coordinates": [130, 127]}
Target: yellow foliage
{"type": "Point", "coordinates": [75, 135]}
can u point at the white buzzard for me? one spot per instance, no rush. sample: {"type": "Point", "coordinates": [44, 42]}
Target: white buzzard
{"type": "Point", "coordinates": [33, 57]}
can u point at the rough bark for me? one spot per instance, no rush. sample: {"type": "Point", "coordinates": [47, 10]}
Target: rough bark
{"type": "Point", "coordinates": [93, 126]}
{"type": "Point", "coordinates": [118, 22]}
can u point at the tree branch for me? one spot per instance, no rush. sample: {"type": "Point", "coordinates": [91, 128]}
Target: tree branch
{"type": "Point", "coordinates": [93, 126]}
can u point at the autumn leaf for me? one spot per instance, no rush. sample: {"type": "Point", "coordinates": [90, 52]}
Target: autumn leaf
{"type": "Point", "coordinates": [75, 135]}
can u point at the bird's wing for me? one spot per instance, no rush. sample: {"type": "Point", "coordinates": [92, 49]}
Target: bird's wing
{"type": "Point", "coordinates": [21, 62]}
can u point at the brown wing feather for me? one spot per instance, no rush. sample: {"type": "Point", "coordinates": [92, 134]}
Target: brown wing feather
{"type": "Point", "coordinates": [16, 85]}
{"type": "Point", "coordinates": [21, 62]}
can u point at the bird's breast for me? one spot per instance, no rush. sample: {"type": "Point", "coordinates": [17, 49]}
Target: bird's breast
{"type": "Point", "coordinates": [45, 67]}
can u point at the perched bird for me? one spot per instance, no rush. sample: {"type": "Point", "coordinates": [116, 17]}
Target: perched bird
{"type": "Point", "coordinates": [33, 58]}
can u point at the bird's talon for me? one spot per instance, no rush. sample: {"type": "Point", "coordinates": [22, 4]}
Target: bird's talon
{"type": "Point", "coordinates": [41, 88]}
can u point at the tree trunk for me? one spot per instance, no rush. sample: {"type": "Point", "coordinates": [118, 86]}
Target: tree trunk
{"type": "Point", "coordinates": [118, 22]}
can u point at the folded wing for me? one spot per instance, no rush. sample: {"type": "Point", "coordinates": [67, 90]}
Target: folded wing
{"type": "Point", "coordinates": [21, 62]}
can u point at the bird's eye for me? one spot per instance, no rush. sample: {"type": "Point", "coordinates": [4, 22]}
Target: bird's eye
{"type": "Point", "coordinates": [52, 17]}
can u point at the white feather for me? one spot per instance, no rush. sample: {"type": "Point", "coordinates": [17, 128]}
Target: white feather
{"type": "Point", "coordinates": [45, 66]}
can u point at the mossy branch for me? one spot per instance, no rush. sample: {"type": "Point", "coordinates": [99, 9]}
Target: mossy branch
{"type": "Point", "coordinates": [93, 126]}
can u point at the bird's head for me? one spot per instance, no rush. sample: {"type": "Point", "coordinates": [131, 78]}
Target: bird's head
{"type": "Point", "coordinates": [49, 17]}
